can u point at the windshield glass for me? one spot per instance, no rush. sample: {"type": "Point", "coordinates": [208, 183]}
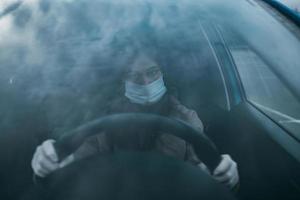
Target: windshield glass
{"type": "Point", "coordinates": [64, 63]}
{"type": "Point", "coordinates": [72, 52]}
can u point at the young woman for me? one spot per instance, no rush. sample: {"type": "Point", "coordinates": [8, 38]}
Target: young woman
{"type": "Point", "coordinates": [144, 90]}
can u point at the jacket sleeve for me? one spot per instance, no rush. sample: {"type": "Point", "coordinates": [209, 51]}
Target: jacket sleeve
{"type": "Point", "coordinates": [93, 145]}
{"type": "Point", "coordinates": [191, 117]}
{"type": "Point", "coordinates": [195, 121]}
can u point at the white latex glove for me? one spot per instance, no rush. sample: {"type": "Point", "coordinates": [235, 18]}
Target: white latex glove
{"type": "Point", "coordinates": [227, 172]}
{"type": "Point", "coordinates": [45, 159]}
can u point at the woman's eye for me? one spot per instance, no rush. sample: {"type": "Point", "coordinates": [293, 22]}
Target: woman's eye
{"type": "Point", "coordinates": [136, 76]}
{"type": "Point", "coordinates": [153, 73]}
{"type": "Point", "coordinates": [132, 76]}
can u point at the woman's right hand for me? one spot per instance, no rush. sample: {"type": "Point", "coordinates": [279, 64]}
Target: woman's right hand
{"type": "Point", "coordinates": [45, 159]}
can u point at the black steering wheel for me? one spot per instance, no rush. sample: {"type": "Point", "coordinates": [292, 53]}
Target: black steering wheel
{"type": "Point", "coordinates": [135, 175]}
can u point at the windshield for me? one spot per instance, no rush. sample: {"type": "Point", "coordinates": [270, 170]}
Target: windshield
{"type": "Point", "coordinates": [56, 51]}
{"type": "Point", "coordinates": [61, 52]}
{"type": "Point", "coordinates": [64, 63]}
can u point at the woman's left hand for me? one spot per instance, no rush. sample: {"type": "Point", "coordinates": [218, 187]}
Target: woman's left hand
{"type": "Point", "coordinates": [227, 172]}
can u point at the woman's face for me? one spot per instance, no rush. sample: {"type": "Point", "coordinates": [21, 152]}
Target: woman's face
{"type": "Point", "coordinates": [143, 82]}
{"type": "Point", "coordinates": [143, 71]}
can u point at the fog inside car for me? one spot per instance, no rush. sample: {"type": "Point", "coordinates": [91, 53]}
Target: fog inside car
{"type": "Point", "coordinates": [61, 60]}
{"type": "Point", "coordinates": [60, 53]}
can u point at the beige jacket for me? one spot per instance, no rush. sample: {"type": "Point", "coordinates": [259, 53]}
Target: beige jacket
{"type": "Point", "coordinates": [167, 144]}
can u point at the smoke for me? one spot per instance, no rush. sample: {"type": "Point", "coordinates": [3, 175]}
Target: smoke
{"type": "Point", "coordinates": [61, 60]}
{"type": "Point", "coordinates": [64, 56]}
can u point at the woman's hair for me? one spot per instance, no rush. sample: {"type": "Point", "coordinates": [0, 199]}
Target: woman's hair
{"type": "Point", "coordinates": [129, 45]}
{"type": "Point", "coordinates": [151, 56]}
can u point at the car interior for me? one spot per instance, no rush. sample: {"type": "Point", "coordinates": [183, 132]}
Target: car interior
{"type": "Point", "coordinates": [203, 70]}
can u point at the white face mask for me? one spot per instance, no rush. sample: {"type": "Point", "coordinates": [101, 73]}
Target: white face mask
{"type": "Point", "coordinates": [145, 94]}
